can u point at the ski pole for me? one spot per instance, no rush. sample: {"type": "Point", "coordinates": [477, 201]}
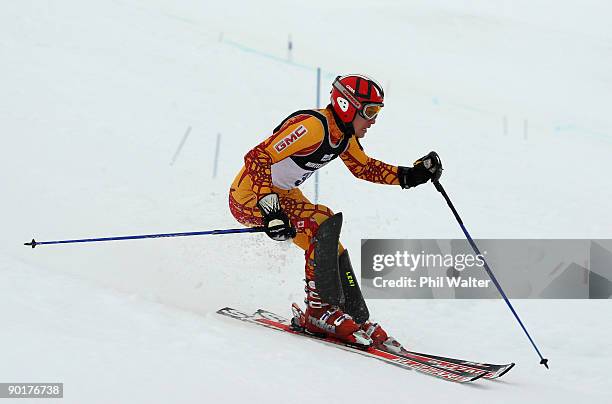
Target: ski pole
{"type": "Point", "coordinates": [440, 189]}
{"type": "Point", "coordinates": [34, 243]}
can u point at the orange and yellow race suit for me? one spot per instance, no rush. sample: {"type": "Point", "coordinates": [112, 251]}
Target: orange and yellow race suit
{"type": "Point", "coordinates": [304, 142]}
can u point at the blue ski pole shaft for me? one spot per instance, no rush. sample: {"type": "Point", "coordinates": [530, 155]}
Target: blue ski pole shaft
{"type": "Point", "coordinates": [34, 243]}
{"type": "Point", "coordinates": [440, 189]}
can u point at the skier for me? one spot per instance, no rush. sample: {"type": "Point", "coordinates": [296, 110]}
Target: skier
{"type": "Point", "coordinates": [265, 193]}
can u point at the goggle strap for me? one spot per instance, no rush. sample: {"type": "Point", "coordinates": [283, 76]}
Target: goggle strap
{"type": "Point", "coordinates": [346, 93]}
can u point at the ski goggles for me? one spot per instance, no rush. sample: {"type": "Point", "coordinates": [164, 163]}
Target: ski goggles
{"type": "Point", "coordinates": [369, 111]}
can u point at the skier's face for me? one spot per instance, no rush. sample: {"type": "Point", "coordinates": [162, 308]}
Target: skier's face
{"type": "Point", "coordinates": [362, 125]}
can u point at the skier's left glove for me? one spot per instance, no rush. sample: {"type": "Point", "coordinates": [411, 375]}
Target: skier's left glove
{"type": "Point", "coordinates": [426, 168]}
{"type": "Point", "coordinates": [276, 223]}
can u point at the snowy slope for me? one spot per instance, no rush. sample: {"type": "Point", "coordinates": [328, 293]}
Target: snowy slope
{"type": "Point", "coordinates": [97, 96]}
{"type": "Point", "coordinates": [111, 347]}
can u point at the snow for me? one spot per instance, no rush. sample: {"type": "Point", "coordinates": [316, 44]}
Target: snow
{"type": "Point", "coordinates": [98, 95]}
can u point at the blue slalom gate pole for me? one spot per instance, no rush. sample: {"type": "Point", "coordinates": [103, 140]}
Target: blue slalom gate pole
{"type": "Point", "coordinates": [34, 243]}
{"type": "Point", "coordinates": [216, 155]}
{"type": "Point", "coordinates": [316, 181]}
{"type": "Point", "coordinates": [440, 189]}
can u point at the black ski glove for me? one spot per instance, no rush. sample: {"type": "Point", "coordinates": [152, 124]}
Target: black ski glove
{"type": "Point", "coordinates": [277, 224]}
{"type": "Point", "coordinates": [426, 168]}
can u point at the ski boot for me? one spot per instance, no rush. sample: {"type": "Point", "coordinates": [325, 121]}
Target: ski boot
{"type": "Point", "coordinates": [329, 322]}
{"type": "Point", "coordinates": [380, 339]}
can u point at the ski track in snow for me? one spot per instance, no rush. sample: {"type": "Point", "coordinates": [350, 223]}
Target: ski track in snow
{"type": "Point", "coordinates": [98, 96]}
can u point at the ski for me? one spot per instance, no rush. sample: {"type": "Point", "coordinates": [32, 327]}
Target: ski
{"type": "Point", "coordinates": [274, 321]}
{"type": "Point", "coordinates": [492, 371]}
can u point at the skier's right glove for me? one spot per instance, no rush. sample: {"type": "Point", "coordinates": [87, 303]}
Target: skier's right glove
{"type": "Point", "coordinates": [277, 224]}
{"type": "Point", "coordinates": [426, 168]}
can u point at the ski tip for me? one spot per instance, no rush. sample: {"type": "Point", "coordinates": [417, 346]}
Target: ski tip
{"type": "Point", "coordinates": [506, 370]}
{"type": "Point", "coordinates": [544, 362]}
{"type": "Point", "coordinates": [478, 376]}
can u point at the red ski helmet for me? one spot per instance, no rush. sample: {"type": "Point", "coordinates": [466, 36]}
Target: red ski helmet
{"type": "Point", "coordinates": [354, 94]}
